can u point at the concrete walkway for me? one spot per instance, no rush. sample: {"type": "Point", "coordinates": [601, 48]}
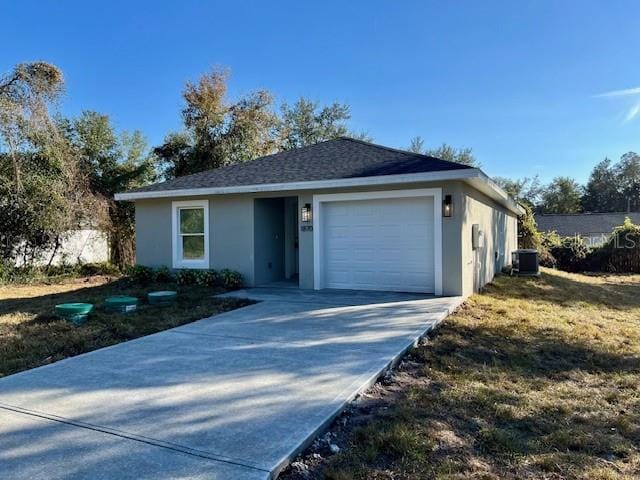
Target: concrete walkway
{"type": "Point", "coordinates": [234, 396]}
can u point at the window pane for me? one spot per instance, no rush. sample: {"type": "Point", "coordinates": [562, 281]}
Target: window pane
{"type": "Point", "coordinates": [192, 220]}
{"type": "Point", "coordinates": [193, 247]}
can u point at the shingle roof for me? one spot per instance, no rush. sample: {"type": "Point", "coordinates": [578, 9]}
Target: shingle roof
{"type": "Point", "coordinates": [584, 224]}
{"type": "Point", "coordinates": [334, 159]}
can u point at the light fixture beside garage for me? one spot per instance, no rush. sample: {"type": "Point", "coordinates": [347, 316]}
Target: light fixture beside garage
{"type": "Point", "coordinates": [306, 213]}
{"type": "Point", "coordinates": [447, 206]}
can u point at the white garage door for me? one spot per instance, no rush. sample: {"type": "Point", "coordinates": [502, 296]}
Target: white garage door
{"type": "Point", "coordinates": [382, 244]}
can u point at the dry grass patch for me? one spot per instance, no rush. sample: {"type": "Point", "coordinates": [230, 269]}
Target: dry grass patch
{"type": "Point", "coordinates": [31, 335]}
{"type": "Point", "coordinates": [533, 378]}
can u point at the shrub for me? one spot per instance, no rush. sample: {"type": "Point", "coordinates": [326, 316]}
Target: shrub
{"type": "Point", "coordinates": [231, 279]}
{"type": "Point", "coordinates": [528, 234]}
{"type": "Point", "coordinates": [140, 273]}
{"type": "Point", "coordinates": [225, 278]}
{"type": "Point", "coordinates": [7, 273]}
{"type": "Point", "coordinates": [570, 254]}
{"type": "Point", "coordinates": [546, 259]}
{"type": "Point", "coordinates": [621, 252]}
{"type": "Point", "coordinates": [163, 275]}
{"type": "Point", "coordinates": [548, 241]}
{"type": "Point", "coordinates": [208, 277]}
{"type": "Point", "coordinates": [63, 269]}
{"type": "Point", "coordinates": [187, 277]}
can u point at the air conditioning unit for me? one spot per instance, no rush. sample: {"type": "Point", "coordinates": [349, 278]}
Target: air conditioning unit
{"type": "Point", "coordinates": [525, 262]}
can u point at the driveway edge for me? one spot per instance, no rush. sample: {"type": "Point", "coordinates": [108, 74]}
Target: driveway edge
{"type": "Point", "coordinates": [392, 363]}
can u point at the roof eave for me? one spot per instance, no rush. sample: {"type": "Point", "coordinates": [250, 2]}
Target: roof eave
{"type": "Point", "coordinates": [473, 176]}
{"type": "Point", "coordinates": [489, 187]}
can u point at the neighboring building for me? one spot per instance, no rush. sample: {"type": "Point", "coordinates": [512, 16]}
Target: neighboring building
{"type": "Point", "coordinates": [339, 214]}
{"type": "Point", "coordinates": [595, 228]}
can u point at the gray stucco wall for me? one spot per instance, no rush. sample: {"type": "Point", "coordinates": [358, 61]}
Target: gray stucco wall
{"type": "Point", "coordinates": [291, 237]}
{"type": "Point", "coordinates": [499, 232]}
{"type": "Point", "coordinates": [452, 242]}
{"type": "Point", "coordinates": [306, 245]}
{"type": "Point", "coordinates": [153, 233]}
{"type": "Point", "coordinates": [269, 240]}
{"type": "Point", "coordinates": [231, 234]}
{"type": "Point", "coordinates": [233, 242]}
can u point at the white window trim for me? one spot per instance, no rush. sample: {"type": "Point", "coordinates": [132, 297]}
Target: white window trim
{"type": "Point", "coordinates": [175, 225]}
{"type": "Point", "coordinates": [436, 193]}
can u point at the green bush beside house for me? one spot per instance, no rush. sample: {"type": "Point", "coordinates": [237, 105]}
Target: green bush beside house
{"type": "Point", "coordinates": [225, 278]}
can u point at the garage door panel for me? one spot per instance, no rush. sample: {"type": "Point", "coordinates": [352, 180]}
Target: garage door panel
{"type": "Point", "coordinates": [382, 244]}
{"type": "Point", "coordinates": [338, 277]}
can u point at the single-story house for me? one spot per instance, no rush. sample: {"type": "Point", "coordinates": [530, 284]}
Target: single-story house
{"type": "Point", "coordinates": [595, 228]}
{"type": "Point", "coordinates": [342, 214]}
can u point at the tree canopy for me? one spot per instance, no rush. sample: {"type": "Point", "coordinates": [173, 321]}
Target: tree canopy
{"type": "Point", "coordinates": [217, 130]}
{"type": "Point", "coordinates": [601, 192]}
{"type": "Point", "coordinates": [42, 192]}
{"type": "Point", "coordinates": [305, 123]}
{"type": "Point", "coordinates": [220, 131]}
{"type": "Point", "coordinates": [112, 163]}
{"type": "Point", "coordinates": [525, 190]}
{"type": "Point", "coordinates": [445, 152]}
{"type": "Point", "coordinates": [612, 187]}
{"type": "Point", "coordinates": [57, 174]}
{"type": "Point", "coordinates": [562, 195]}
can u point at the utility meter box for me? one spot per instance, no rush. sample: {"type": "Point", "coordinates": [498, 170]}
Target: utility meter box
{"type": "Point", "coordinates": [477, 236]}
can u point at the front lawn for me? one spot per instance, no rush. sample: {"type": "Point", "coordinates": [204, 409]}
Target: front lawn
{"type": "Point", "coordinates": [31, 335]}
{"type": "Point", "coordinates": [533, 378]}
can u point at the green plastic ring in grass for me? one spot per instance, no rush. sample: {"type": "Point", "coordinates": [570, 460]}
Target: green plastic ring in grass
{"type": "Point", "coordinates": [164, 297]}
{"type": "Point", "coordinates": [121, 303]}
{"type": "Point", "coordinates": [75, 313]}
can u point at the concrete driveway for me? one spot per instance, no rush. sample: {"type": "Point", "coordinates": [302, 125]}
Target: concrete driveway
{"type": "Point", "coordinates": [233, 396]}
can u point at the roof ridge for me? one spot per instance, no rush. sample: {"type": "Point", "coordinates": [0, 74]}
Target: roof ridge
{"type": "Point", "coordinates": [336, 158]}
{"type": "Point", "coordinates": [247, 161]}
{"type": "Point", "coordinates": [399, 150]}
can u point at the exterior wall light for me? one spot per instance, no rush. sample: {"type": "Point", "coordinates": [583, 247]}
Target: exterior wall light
{"type": "Point", "coordinates": [447, 206]}
{"type": "Point", "coordinates": [306, 213]}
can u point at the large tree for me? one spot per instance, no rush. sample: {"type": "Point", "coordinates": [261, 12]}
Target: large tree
{"type": "Point", "coordinates": [218, 131]}
{"type": "Point", "coordinates": [562, 195]}
{"type": "Point", "coordinates": [628, 174]}
{"type": "Point", "coordinates": [26, 94]}
{"type": "Point", "coordinates": [602, 193]}
{"type": "Point", "coordinates": [113, 163]}
{"type": "Point", "coordinates": [42, 192]}
{"type": "Point", "coordinates": [306, 123]}
{"type": "Point", "coordinates": [614, 187]}
{"type": "Point", "coordinates": [445, 152]}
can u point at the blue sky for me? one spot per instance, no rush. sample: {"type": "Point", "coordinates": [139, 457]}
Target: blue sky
{"type": "Point", "coordinates": [516, 81]}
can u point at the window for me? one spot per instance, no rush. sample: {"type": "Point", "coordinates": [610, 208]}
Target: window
{"type": "Point", "coordinates": [190, 234]}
